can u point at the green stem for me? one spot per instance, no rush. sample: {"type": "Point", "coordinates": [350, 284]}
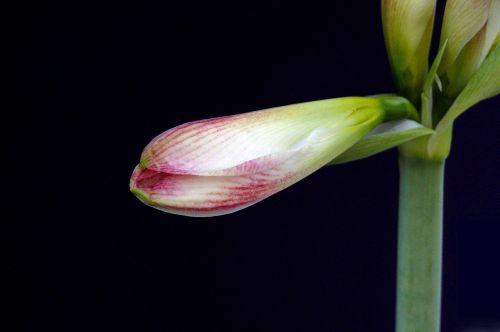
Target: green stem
{"type": "Point", "coordinates": [419, 245]}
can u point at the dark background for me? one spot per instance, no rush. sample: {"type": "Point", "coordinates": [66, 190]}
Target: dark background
{"type": "Point", "coordinates": [94, 82]}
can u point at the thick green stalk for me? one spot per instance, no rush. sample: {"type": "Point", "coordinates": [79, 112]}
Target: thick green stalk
{"type": "Point", "coordinates": [419, 244]}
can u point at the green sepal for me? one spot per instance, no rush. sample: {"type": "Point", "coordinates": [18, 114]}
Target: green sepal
{"type": "Point", "coordinates": [396, 107]}
{"type": "Point", "coordinates": [383, 137]}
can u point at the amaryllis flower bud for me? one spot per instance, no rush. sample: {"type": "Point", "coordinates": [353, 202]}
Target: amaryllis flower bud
{"type": "Point", "coordinates": [408, 31]}
{"type": "Point", "coordinates": [470, 29]}
{"type": "Point", "coordinates": [221, 165]}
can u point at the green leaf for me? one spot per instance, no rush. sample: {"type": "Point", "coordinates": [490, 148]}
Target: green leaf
{"type": "Point", "coordinates": [383, 137]}
{"type": "Point", "coordinates": [484, 84]}
{"type": "Point", "coordinates": [427, 90]}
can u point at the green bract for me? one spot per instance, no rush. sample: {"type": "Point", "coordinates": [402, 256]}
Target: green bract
{"type": "Point", "coordinates": [383, 137]}
{"type": "Point", "coordinates": [484, 84]}
{"type": "Point", "coordinates": [427, 91]}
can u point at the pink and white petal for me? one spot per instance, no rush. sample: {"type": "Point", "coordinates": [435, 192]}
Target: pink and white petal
{"type": "Point", "coordinates": [216, 144]}
{"type": "Point", "coordinates": [203, 196]}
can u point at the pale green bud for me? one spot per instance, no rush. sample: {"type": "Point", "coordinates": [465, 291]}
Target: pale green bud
{"type": "Point", "coordinates": [471, 28]}
{"type": "Point", "coordinates": [408, 31]}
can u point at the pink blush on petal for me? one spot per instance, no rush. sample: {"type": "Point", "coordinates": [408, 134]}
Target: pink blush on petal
{"type": "Point", "coordinates": [153, 182]}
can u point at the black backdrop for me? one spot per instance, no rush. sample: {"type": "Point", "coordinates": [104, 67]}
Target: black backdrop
{"type": "Point", "coordinates": [96, 81]}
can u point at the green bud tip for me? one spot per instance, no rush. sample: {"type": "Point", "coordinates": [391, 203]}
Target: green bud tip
{"type": "Point", "coordinates": [396, 107]}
